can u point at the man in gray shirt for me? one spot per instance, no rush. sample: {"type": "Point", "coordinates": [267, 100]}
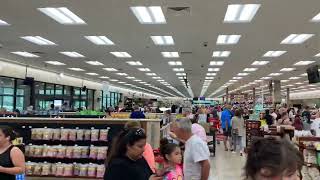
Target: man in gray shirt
{"type": "Point", "coordinates": [196, 165]}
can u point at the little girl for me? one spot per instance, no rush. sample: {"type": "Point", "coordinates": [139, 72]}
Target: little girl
{"type": "Point", "coordinates": [172, 156]}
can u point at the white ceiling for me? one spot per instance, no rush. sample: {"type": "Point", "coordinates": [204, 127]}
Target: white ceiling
{"type": "Point", "coordinates": [274, 21]}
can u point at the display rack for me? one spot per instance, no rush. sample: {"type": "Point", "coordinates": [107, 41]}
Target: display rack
{"type": "Point", "coordinates": [252, 130]}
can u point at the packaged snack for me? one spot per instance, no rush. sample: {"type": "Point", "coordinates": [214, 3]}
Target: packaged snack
{"type": "Point", "coordinates": [80, 134]}
{"type": "Point", "coordinates": [34, 133]}
{"type": "Point", "coordinates": [37, 169]}
{"type": "Point", "coordinates": [38, 151]}
{"type": "Point", "coordinates": [45, 169]}
{"type": "Point", "coordinates": [100, 171]}
{"type": "Point", "coordinates": [60, 169]}
{"type": "Point", "coordinates": [94, 134]}
{"type": "Point", "coordinates": [54, 169]}
{"type": "Point", "coordinates": [83, 170]}
{"type": "Point", "coordinates": [52, 151]}
{"type": "Point", "coordinates": [76, 169]}
{"type": "Point", "coordinates": [93, 152]}
{"type": "Point", "coordinates": [104, 134]}
{"type": "Point", "coordinates": [47, 133]}
{"type": "Point", "coordinates": [29, 168]}
{"type": "Point", "coordinates": [84, 151]}
{"type": "Point", "coordinates": [68, 170]}
{"type": "Point", "coordinates": [31, 150]}
{"type": "Point", "coordinates": [69, 151]}
{"type": "Point", "coordinates": [76, 152]}
{"type": "Point", "coordinates": [92, 169]}
{"type": "Point", "coordinates": [27, 150]}
{"type": "Point", "coordinates": [87, 134]}
{"type": "Point", "coordinates": [45, 150]}
{"type": "Point", "coordinates": [72, 135]}
{"type": "Point", "coordinates": [56, 134]}
{"type": "Point", "coordinates": [64, 134]}
{"type": "Point", "coordinates": [102, 153]}
{"type": "Point", "coordinates": [61, 151]}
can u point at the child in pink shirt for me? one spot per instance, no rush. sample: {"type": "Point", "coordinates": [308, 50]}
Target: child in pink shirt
{"type": "Point", "coordinates": [172, 155]}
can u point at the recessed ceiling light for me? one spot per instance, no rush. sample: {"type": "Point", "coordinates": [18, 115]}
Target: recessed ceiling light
{"type": "Point", "coordinates": [274, 53]}
{"type": "Point", "coordinates": [213, 69]}
{"type": "Point", "coordinates": [250, 69]}
{"type": "Point", "coordinates": [38, 40]}
{"type": "Point", "coordinates": [287, 69]}
{"type": "Point", "coordinates": [259, 63]}
{"type": "Point", "coordinates": [151, 74]}
{"type": "Point", "coordinates": [211, 74]}
{"type": "Point", "coordinates": [72, 54]}
{"type": "Point", "coordinates": [209, 77]}
{"type": "Point", "coordinates": [237, 77]}
{"type": "Point", "coordinates": [76, 69]}
{"type": "Point", "coordinates": [175, 63]}
{"type": "Point", "coordinates": [130, 77]}
{"type": "Point", "coordinates": [114, 80]}
{"type": "Point", "coordinates": [104, 77]}
{"type": "Point", "coordinates": [121, 54]}
{"type": "Point", "coordinates": [92, 74]}
{"type": "Point", "coordinates": [294, 78]}
{"type": "Point", "coordinates": [303, 63]}
{"type": "Point", "coordinates": [296, 38]}
{"type": "Point", "coordinates": [99, 40]}
{"type": "Point", "coordinates": [265, 78]}
{"type": "Point", "coordinates": [94, 63]}
{"type": "Point", "coordinates": [62, 15]}
{"type": "Point", "coordinates": [216, 63]}
{"type": "Point", "coordinates": [134, 63]}
{"type": "Point", "coordinates": [25, 54]}
{"type": "Point", "coordinates": [228, 39]}
{"type": "Point", "coordinates": [110, 69]}
{"type": "Point", "coordinates": [304, 74]}
{"type": "Point", "coordinates": [122, 74]}
{"type": "Point", "coordinates": [144, 69]}
{"type": "Point", "coordinates": [149, 15]}
{"type": "Point", "coordinates": [243, 74]}
{"type": "Point", "coordinates": [56, 63]}
{"type": "Point", "coordinates": [316, 18]}
{"type": "Point", "coordinates": [170, 54]}
{"type": "Point", "coordinates": [178, 69]}
{"type": "Point", "coordinates": [275, 74]}
{"type": "Point", "coordinates": [3, 23]}
{"type": "Point", "coordinates": [162, 40]}
{"type": "Point", "coordinates": [240, 13]}
{"type": "Point", "coordinates": [157, 77]}
{"type": "Point", "coordinates": [221, 53]}
{"type": "Point", "coordinates": [180, 74]}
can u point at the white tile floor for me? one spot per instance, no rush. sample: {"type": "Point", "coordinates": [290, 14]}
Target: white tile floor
{"type": "Point", "coordinates": [226, 165]}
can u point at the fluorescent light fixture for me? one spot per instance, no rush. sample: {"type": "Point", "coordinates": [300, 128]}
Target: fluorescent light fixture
{"type": "Point", "coordinates": [149, 15]}
{"type": "Point", "coordinates": [237, 77]}
{"type": "Point", "coordinates": [151, 74]}
{"type": "Point", "coordinates": [274, 53]}
{"type": "Point", "coordinates": [178, 69]}
{"type": "Point", "coordinates": [213, 69]}
{"type": "Point", "coordinates": [134, 63]}
{"type": "Point", "coordinates": [25, 54]}
{"type": "Point", "coordinates": [296, 38]}
{"type": "Point", "coordinates": [92, 74]}
{"type": "Point", "coordinates": [143, 82]}
{"type": "Point", "coordinates": [3, 23]}
{"type": "Point", "coordinates": [130, 77]}
{"type": "Point", "coordinates": [208, 80]}
{"type": "Point", "coordinates": [240, 13]}
{"type": "Point", "coordinates": [160, 80]}
{"type": "Point", "coordinates": [258, 80]}
{"type": "Point", "coordinates": [38, 40]}
{"type": "Point", "coordinates": [121, 54]}
{"type": "Point", "coordinates": [56, 63]}
{"type": "Point", "coordinates": [156, 77]}
{"type": "Point", "coordinates": [76, 69]}
{"type": "Point", "coordinates": [114, 80]}
{"type": "Point", "coordinates": [170, 54]}
{"type": "Point", "coordinates": [275, 74]}
{"type": "Point", "coordinates": [211, 74]}
{"type": "Point", "coordinates": [181, 74]}
{"type": "Point", "coordinates": [287, 69]}
{"type": "Point", "coordinates": [94, 63]}
{"type": "Point", "coordinates": [316, 18]}
{"type": "Point", "coordinates": [303, 63]}
{"type": "Point", "coordinates": [122, 74]}
{"type": "Point", "coordinates": [299, 83]}
{"type": "Point", "coordinates": [250, 69]}
{"type": "Point", "coordinates": [175, 63]}
{"type": "Point", "coordinates": [144, 69]}
{"type": "Point", "coordinates": [304, 74]}
{"type": "Point", "coordinates": [221, 53]}
{"type": "Point", "coordinates": [104, 77]}
{"type": "Point", "coordinates": [317, 55]}
{"type": "Point", "coordinates": [285, 80]}
{"type": "Point", "coordinates": [110, 69]}
{"type": "Point", "coordinates": [72, 54]}
{"type": "Point", "coordinates": [209, 77]}
{"type": "Point", "coordinates": [243, 74]}
{"type": "Point", "coordinates": [162, 40]}
{"type": "Point", "coordinates": [228, 39]}
{"type": "Point", "coordinates": [232, 80]}
{"type": "Point", "coordinates": [259, 63]}
{"type": "Point", "coordinates": [62, 15]}
{"type": "Point", "coordinates": [99, 40]}
{"type": "Point", "coordinates": [216, 63]}
{"type": "Point", "coordinates": [180, 77]}
{"type": "Point", "coordinates": [137, 80]}
{"type": "Point", "coordinates": [294, 78]}
{"type": "Point", "coordinates": [265, 78]}
{"type": "Point", "coordinates": [121, 82]}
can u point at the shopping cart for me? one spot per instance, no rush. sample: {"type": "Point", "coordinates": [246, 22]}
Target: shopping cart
{"type": "Point", "coordinates": [212, 135]}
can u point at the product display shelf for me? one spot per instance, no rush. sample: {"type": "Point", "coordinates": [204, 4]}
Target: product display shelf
{"type": "Point", "coordinates": [252, 130]}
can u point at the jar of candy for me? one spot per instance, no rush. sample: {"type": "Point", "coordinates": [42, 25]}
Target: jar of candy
{"type": "Point", "coordinates": [76, 169]}
{"type": "Point", "coordinates": [52, 151]}
{"type": "Point", "coordinates": [69, 151]}
{"type": "Point", "coordinates": [60, 169]}
{"type": "Point", "coordinates": [61, 151]}
{"type": "Point", "coordinates": [47, 133]}
{"type": "Point", "coordinates": [38, 151]}
{"type": "Point", "coordinates": [54, 169]}
{"type": "Point", "coordinates": [29, 168]}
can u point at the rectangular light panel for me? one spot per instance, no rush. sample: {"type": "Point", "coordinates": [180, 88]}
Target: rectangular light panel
{"type": "Point", "coordinates": [265, 78]}
{"type": "Point", "coordinates": [76, 69]}
{"type": "Point", "coordinates": [259, 63]}
{"type": "Point", "coordinates": [149, 15]}
{"type": "Point", "coordinates": [274, 53]}
{"type": "Point", "coordinates": [144, 69]}
{"type": "Point", "coordinates": [162, 40]}
{"type": "Point", "coordinates": [211, 74]}
{"type": "Point", "coordinates": [151, 74]}
{"type": "Point", "coordinates": [216, 63]}
{"type": "Point", "coordinates": [99, 40]}
{"type": "Point", "coordinates": [170, 54]}
{"type": "Point", "coordinates": [275, 74]}
{"type": "Point", "coordinates": [104, 77]}
{"type": "Point", "coordinates": [62, 15]}
{"type": "Point", "coordinates": [294, 78]}
{"type": "Point", "coordinates": [110, 69]}
{"type": "Point", "coordinates": [250, 69]}
{"type": "Point", "coordinates": [56, 63]}
{"type": "Point", "coordinates": [72, 54]}
{"type": "Point", "coordinates": [178, 69]}
{"type": "Point", "coordinates": [221, 53]}
{"type": "Point", "coordinates": [228, 39]}
{"type": "Point", "coordinates": [243, 74]}
{"type": "Point", "coordinates": [25, 54]}
{"type": "Point", "coordinates": [237, 77]}
{"type": "Point", "coordinates": [122, 74]}
{"type": "Point", "coordinates": [287, 69]}
{"type": "Point", "coordinates": [134, 63]}
{"type": "Point", "coordinates": [4, 23]}
{"type": "Point", "coordinates": [121, 54]}
{"type": "Point", "coordinates": [296, 38]}
{"type": "Point", "coordinates": [213, 69]}
{"type": "Point", "coordinates": [92, 74]}
{"type": "Point", "coordinates": [175, 63]}
{"type": "Point", "coordinates": [240, 13]}
{"type": "Point", "coordinates": [95, 63]}
{"type": "Point", "coordinates": [316, 18]}
{"type": "Point", "coordinates": [38, 40]}
{"type": "Point", "coordinates": [303, 63]}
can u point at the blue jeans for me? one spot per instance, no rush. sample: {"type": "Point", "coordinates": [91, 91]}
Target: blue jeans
{"type": "Point", "coordinates": [237, 140]}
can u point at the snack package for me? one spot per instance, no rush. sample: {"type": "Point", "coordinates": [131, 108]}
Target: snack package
{"type": "Point", "coordinates": [27, 150]}
{"type": "Point", "coordinates": [54, 169]}
{"type": "Point", "coordinates": [29, 168]}
{"type": "Point", "coordinates": [76, 152]}
{"type": "Point", "coordinates": [76, 169]}
{"type": "Point", "coordinates": [56, 134]}
{"type": "Point", "coordinates": [100, 171]}
{"type": "Point", "coordinates": [47, 133]}
{"type": "Point", "coordinates": [94, 134]}
{"type": "Point", "coordinates": [37, 169]}
{"type": "Point", "coordinates": [84, 151]}
{"type": "Point", "coordinates": [31, 150]}
{"type": "Point", "coordinates": [93, 152]}
{"type": "Point", "coordinates": [102, 153]}
{"type": "Point", "coordinates": [83, 170]}
{"type": "Point", "coordinates": [104, 134]}
{"type": "Point", "coordinates": [60, 169]}
{"type": "Point", "coordinates": [68, 170]}
{"type": "Point", "coordinates": [45, 150]}
{"type": "Point", "coordinates": [45, 169]}
{"type": "Point", "coordinates": [64, 134]}
{"type": "Point", "coordinates": [87, 134]}
{"type": "Point", "coordinates": [61, 151]}
{"type": "Point", "coordinates": [92, 169]}
{"type": "Point", "coordinates": [38, 151]}
{"type": "Point", "coordinates": [80, 134]}
{"type": "Point", "coordinates": [52, 151]}
{"type": "Point", "coordinates": [72, 135]}
{"type": "Point", "coordinates": [34, 133]}
{"type": "Point", "coordinates": [69, 151]}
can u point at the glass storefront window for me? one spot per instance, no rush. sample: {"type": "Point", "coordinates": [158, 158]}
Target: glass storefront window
{"type": "Point", "coordinates": [67, 90]}
{"type": "Point", "coordinates": [6, 93]}
{"type": "Point", "coordinates": [39, 88]}
{"type": "Point", "coordinates": [50, 89]}
{"type": "Point", "coordinates": [59, 90]}
{"type": "Point", "coordinates": [76, 91]}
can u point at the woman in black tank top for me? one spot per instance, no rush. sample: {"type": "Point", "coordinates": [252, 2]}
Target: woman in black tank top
{"type": "Point", "coordinates": [12, 160]}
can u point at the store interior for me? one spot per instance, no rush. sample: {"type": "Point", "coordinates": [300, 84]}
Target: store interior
{"type": "Point", "coordinates": [71, 73]}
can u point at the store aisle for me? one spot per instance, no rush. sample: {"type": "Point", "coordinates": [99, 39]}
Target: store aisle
{"type": "Point", "coordinates": [226, 165]}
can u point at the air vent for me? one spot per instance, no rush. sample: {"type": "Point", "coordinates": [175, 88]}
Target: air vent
{"type": "Point", "coordinates": [179, 11]}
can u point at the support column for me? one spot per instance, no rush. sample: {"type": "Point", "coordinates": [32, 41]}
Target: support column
{"type": "Point", "coordinates": [276, 92]}
{"type": "Point", "coordinates": [223, 99]}
{"type": "Point", "coordinates": [254, 96]}
{"type": "Point", "coordinates": [288, 97]}
{"type": "Point", "coordinates": [227, 95]}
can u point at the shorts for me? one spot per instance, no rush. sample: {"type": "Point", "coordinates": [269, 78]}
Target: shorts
{"type": "Point", "coordinates": [227, 132]}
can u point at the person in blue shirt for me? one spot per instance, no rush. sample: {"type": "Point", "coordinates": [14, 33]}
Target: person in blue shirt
{"type": "Point", "coordinates": [137, 114]}
{"type": "Point", "coordinates": [226, 125]}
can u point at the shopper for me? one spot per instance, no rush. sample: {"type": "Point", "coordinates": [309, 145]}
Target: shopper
{"type": "Point", "coordinates": [12, 160]}
{"type": "Point", "coordinates": [125, 161]}
{"type": "Point", "coordinates": [238, 132]}
{"type": "Point", "coordinates": [272, 159]}
{"type": "Point", "coordinates": [226, 125]}
{"type": "Point", "coordinates": [196, 165]}
{"type": "Point", "coordinates": [165, 118]}
{"type": "Point", "coordinates": [172, 156]}
{"type": "Point", "coordinates": [202, 119]}
{"type": "Point", "coordinates": [284, 119]}
{"type": "Point", "coordinates": [306, 115]}
{"type": "Point", "coordinates": [268, 118]}
{"type": "Point", "coordinates": [297, 123]}
{"type": "Point", "coordinates": [274, 114]}
{"type": "Point", "coordinates": [198, 130]}
{"type": "Point", "coordinates": [291, 114]}
{"type": "Point", "coordinates": [137, 114]}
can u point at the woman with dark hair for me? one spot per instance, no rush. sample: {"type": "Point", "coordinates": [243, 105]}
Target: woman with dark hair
{"type": "Point", "coordinates": [269, 158]}
{"type": "Point", "coordinates": [12, 160]}
{"type": "Point", "coordinates": [125, 160]}
{"type": "Point", "coordinates": [238, 132]}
